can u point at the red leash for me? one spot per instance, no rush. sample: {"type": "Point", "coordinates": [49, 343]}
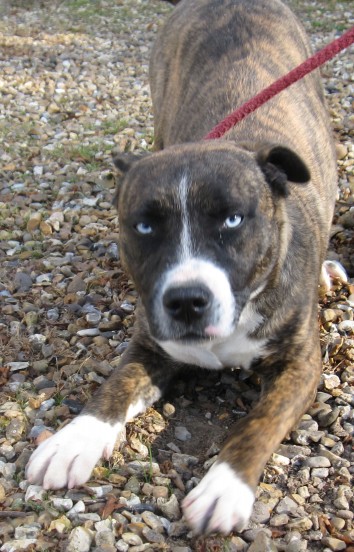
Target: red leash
{"type": "Point", "coordinates": [327, 53]}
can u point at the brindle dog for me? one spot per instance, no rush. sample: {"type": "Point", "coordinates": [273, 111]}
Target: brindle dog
{"type": "Point", "coordinates": [224, 241]}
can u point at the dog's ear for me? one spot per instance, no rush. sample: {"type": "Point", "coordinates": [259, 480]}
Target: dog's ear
{"type": "Point", "coordinates": [123, 162]}
{"type": "Point", "coordinates": [280, 164]}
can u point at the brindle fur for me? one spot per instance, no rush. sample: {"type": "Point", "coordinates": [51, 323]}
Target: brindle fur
{"type": "Point", "coordinates": [208, 59]}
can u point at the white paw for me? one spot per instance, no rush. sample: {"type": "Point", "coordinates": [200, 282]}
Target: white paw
{"type": "Point", "coordinates": [220, 503]}
{"type": "Point", "coordinates": [331, 270]}
{"type": "Point", "coordinates": [67, 458]}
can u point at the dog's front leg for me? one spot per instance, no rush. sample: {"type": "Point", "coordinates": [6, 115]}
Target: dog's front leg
{"type": "Point", "coordinates": [224, 498]}
{"type": "Point", "coordinates": [67, 458]}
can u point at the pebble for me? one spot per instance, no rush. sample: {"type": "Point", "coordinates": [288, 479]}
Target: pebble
{"type": "Point", "coordinates": [169, 508]}
{"type": "Point", "coordinates": [287, 506]}
{"type": "Point", "coordinates": [182, 433]}
{"type": "Point", "coordinates": [80, 540]}
{"type": "Point", "coordinates": [27, 531]}
{"type": "Point", "coordinates": [132, 539]}
{"type": "Point", "coordinates": [15, 545]}
{"type": "Point", "coordinates": [153, 521]}
{"type": "Point", "coordinates": [334, 544]}
{"type": "Point", "coordinates": [35, 493]}
{"type": "Point", "coordinates": [262, 543]}
{"type": "Point", "coordinates": [62, 504]}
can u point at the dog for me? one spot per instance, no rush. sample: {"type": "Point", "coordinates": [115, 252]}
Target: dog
{"type": "Point", "coordinates": [224, 240]}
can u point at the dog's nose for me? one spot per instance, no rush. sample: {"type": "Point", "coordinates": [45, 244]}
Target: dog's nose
{"type": "Point", "coordinates": [188, 303]}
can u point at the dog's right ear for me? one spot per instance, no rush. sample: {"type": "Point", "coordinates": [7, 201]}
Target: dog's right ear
{"type": "Point", "coordinates": [124, 162]}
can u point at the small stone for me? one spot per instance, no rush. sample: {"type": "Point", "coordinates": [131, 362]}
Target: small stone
{"type": "Point", "coordinates": [341, 150]}
{"type": "Point", "coordinates": [105, 539]}
{"type": "Point", "coordinates": [60, 525]}
{"type": "Point", "coordinates": [15, 430]}
{"type": "Point", "coordinates": [89, 332]}
{"type": "Point", "coordinates": [147, 489]}
{"type": "Point", "coordinates": [261, 512]}
{"type": "Point", "coordinates": [45, 228]}
{"type": "Point", "coordinates": [153, 521]}
{"type": "Point", "coordinates": [80, 540]}
{"type": "Point", "coordinates": [319, 472]}
{"type": "Point", "coordinates": [327, 419]}
{"type": "Point", "coordinates": [18, 544]}
{"type": "Point", "coordinates": [262, 543]}
{"type": "Point", "coordinates": [279, 519]}
{"type": "Point", "coordinates": [132, 539]}
{"type": "Point", "coordinates": [2, 493]}
{"type": "Point", "coordinates": [78, 508]}
{"type": "Point", "coordinates": [120, 480]}
{"type": "Point", "coordinates": [35, 493]}
{"type": "Point", "coordinates": [62, 504]}
{"type": "Point", "coordinates": [16, 366]}
{"type": "Point", "coordinates": [139, 447]}
{"type": "Point", "coordinates": [338, 523]}
{"type": "Point", "coordinates": [330, 381]}
{"type": "Point", "coordinates": [178, 529]}
{"type": "Point", "coordinates": [22, 282]}
{"type": "Point", "coordinates": [300, 524]}
{"type": "Point", "coordinates": [317, 462]}
{"type": "Point", "coordinates": [287, 506]}
{"type": "Point", "coordinates": [152, 536]}
{"type": "Point", "coordinates": [76, 284]}
{"type": "Point", "coordinates": [168, 410]}
{"type": "Point", "coordinates": [122, 546]}
{"type": "Point", "coordinates": [34, 222]}
{"type": "Point", "coordinates": [341, 502]}
{"type": "Point", "coordinates": [182, 433]}
{"type": "Point", "coordinates": [40, 366]}
{"type": "Point", "coordinates": [133, 485]}
{"type": "Point", "coordinates": [170, 508]}
{"type": "Point", "coordinates": [160, 491]}
{"type": "Point", "coordinates": [334, 544]}
{"type": "Point", "coordinates": [27, 531]}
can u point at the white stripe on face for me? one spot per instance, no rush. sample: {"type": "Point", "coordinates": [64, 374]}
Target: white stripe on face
{"type": "Point", "coordinates": [186, 242]}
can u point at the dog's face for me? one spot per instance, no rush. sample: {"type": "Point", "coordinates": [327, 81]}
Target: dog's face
{"type": "Point", "coordinates": [200, 232]}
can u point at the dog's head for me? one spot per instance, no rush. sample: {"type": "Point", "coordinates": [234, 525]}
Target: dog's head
{"type": "Point", "coordinates": [201, 227]}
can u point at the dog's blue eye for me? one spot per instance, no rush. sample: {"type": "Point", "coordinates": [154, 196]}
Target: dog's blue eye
{"type": "Point", "coordinates": [143, 228]}
{"type": "Point", "coordinates": [233, 222]}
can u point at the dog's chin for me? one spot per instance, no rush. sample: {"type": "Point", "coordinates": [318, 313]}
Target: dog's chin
{"type": "Point", "coordinates": [187, 337]}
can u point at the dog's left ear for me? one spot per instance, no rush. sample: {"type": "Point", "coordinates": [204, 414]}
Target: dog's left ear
{"type": "Point", "coordinates": [280, 164]}
{"type": "Point", "coordinates": [123, 162]}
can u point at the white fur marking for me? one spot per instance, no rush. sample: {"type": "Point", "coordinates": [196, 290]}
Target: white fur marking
{"type": "Point", "coordinates": [214, 278]}
{"type": "Point", "coordinates": [237, 349]}
{"type": "Point", "coordinates": [186, 243]}
{"type": "Point", "coordinates": [135, 409]}
{"type": "Point", "coordinates": [331, 270]}
{"type": "Point", "coordinates": [67, 458]}
{"type": "Point", "coordinates": [220, 503]}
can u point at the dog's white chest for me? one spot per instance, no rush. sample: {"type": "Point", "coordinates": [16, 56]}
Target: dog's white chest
{"type": "Point", "coordinates": [236, 350]}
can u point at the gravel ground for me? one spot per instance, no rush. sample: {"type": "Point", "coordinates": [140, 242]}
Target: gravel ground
{"type": "Point", "coordinates": [73, 86]}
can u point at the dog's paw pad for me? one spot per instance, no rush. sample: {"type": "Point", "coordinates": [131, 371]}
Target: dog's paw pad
{"type": "Point", "coordinates": [220, 503]}
{"type": "Point", "coordinates": [67, 458]}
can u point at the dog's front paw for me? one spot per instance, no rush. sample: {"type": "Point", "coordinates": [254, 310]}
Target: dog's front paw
{"type": "Point", "coordinates": [67, 458]}
{"type": "Point", "coordinates": [332, 270]}
{"type": "Point", "coordinates": [220, 503]}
